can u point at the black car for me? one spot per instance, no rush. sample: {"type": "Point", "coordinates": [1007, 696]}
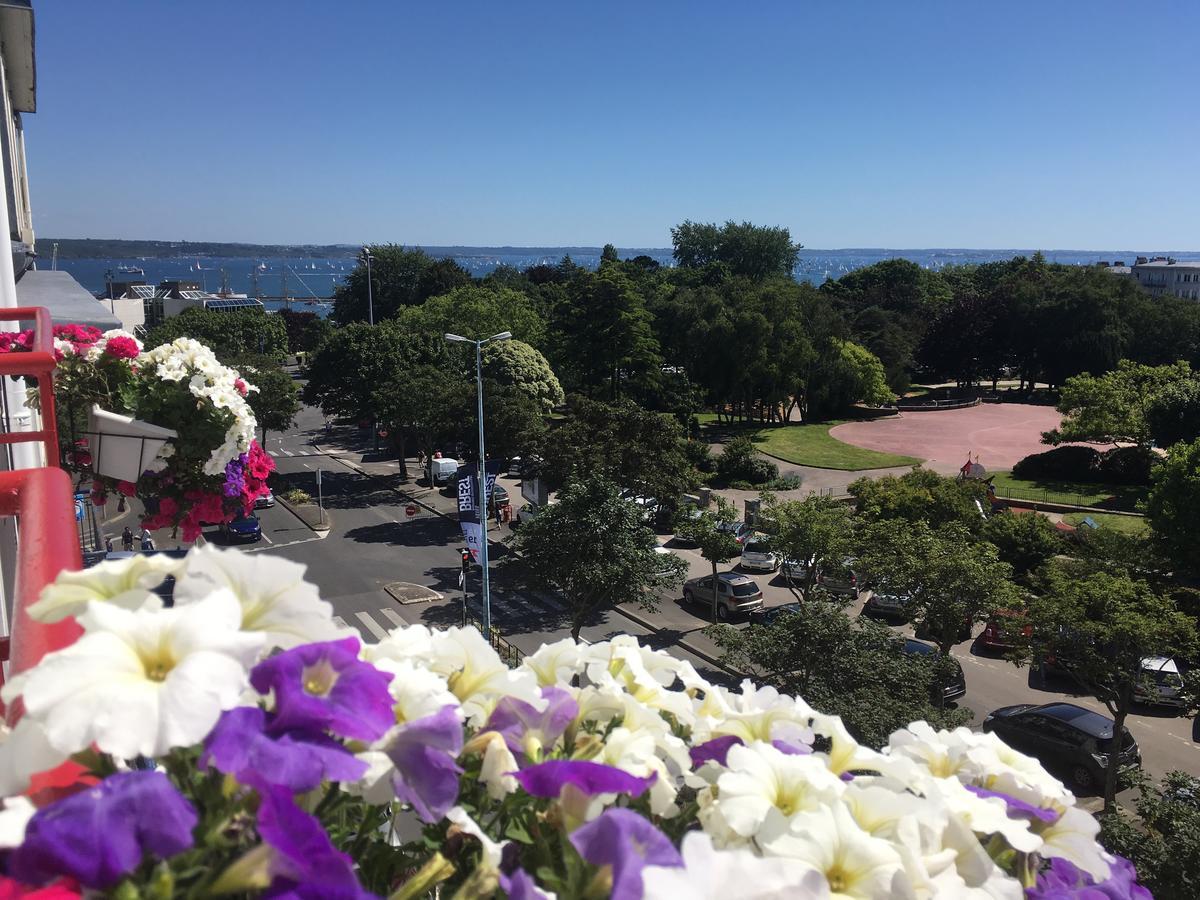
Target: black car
{"type": "Point", "coordinates": [772, 615]}
{"type": "Point", "coordinates": [956, 685]}
{"type": "Point", "coordinates": [1063, 736]}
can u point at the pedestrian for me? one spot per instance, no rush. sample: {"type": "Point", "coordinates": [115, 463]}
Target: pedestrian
{"type": "Point", "coordinates": [147, 541]}
{"type": "Point", "coordinates": [108, 545]}
{"type": "Point", "coordinates": [127, 540]}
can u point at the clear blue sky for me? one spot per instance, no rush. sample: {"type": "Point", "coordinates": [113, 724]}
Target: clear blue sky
{"type": "Point", "coordinates": [867, 124]}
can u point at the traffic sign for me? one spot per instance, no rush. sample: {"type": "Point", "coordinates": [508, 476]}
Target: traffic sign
{"type": "Point", "coordinates": [410, 510]}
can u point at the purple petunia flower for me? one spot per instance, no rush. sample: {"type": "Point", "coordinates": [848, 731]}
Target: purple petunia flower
{"type": "Point", "coordinates": [788, 748]}
{"type": "Point", "coordinates": [424, 753]}
{"type": "Point", "coordinates": [1018, 809]}
{"type": "Point", "coordinates": [521, 886]}
{"type": "Point", "coordinates": [240, 745]}
{"type": "Point", "coordinates": [624, 840]}
{"type": "Point", "coordinates": [101, 834]}
{"type": "Point", "coordinates": [303, 864]}
{"type": "Point", "coordinates": [326, 686]}
{"type": "Point", "coordinates": [713, 751]}
{"type": "Point", "coordinates": [1062, 880]}
{"type": "Point", "coordinates": [525, 728]}
{"type": "Point", "coordinates": [549, 778]}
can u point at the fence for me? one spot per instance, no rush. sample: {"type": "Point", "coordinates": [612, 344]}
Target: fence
{"type": "Point", "coordinates": [1118, 502]}
{"type": "Point", "coordinates": [511, 654]}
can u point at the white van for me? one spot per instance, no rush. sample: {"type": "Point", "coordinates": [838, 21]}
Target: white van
{"type": "Point", "coordinates": [443, 469]}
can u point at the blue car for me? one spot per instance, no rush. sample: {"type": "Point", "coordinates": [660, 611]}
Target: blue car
{"type": "Point", "coordinates": [242, 530]}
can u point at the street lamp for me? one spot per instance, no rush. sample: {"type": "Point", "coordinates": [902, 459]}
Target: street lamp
{"type": "Point", "coordinates": [483, 541]}
{"type": "Point", "coordinates": [366, 257]}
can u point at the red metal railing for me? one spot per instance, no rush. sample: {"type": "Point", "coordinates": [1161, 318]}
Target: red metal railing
{"type": "Point", "coordinates": [38, 362]}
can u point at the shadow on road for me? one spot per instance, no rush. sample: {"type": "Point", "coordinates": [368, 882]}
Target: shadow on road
{"type": "Point", "coordinates": [428, 532]}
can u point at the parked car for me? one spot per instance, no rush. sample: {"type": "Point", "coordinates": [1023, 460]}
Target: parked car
{"type": "Point", "coordinates": [736, 594]}
{"type": "Point", "coordinates": [795, 569]}
{"type": "Point", "coordinates": [665, 553]}
{"type": "Point", "coordinates": [444, 470]}
{"type": "Point", "coordinates": [242, 530]}
{"type": "Point", "coordinates": [526, 513]}
{"type": "Point", "coordinates": [757, 555]}
{"type": "Point", "coordinates": [889, 606]}
{"type": "Point", "coordinates": [1161, 683]}
{"type": "Point", "coordinates": [740, 530]}
{"type": "Point", "coordinates": [497, 496]}
{"type": "Point", "coordinates": [773, 615]}
{"type": "Point", "coordinates": [955, 686]}
{"type": "Point", "coordinates": [266, 501]}
{"type": "Point", "coordinates": [838, 579]}
{"type": "Point", "coordinates": [1002, 631]}
{"type": "Point", "coordinates": [1063, 736]}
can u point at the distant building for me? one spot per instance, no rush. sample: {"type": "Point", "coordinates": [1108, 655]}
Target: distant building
{"type": "Point", "coordinates": [170, 298]}
{"type": "Point", "coordinates": [1164, 275]}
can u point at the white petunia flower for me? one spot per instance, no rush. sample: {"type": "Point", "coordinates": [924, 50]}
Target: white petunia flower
{"type": "Point", "coordinates": [476, 674]}
{"type": "Point", "coordinates": [556, 663]}
{"type": "Point", "coordinates": [764, 788]}
{"type": "Point", "coordinates": [25, 752]}
{"type": "Point", "coordinates": [497, 768]}
{"type": "Point", "coordinates": [123, 582]}
{"type": "Point", "coordinates": [945, 754]}
{"type": "Point", "coordinates": [756, 714]}
{"type": "Point", "coordinates": [13, 818]}
{"type": "Point", "coordinates": [274, 597]}
{"type": "Point", "coordinates": [413, 642]}
{"type": "Point", "coordinates": [712, 874]}
{"type": "Point", "coordinates": [853, 863]}
{"type": "Point", "coordinates": [1073, 838]}
{"type": "Point", "coordinates": [492, 851]}
{"type": "Point", "coordinates": [983, 815]}
{"type": "Point", "coordinates": [141, 682]}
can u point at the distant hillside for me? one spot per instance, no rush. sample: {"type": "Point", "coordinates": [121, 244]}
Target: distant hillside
{"type": "Point", "coordinates": [100, 248]}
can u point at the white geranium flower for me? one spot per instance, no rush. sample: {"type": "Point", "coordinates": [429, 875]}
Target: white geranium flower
{"type": "Point", "coordinates": [1073, 838]}
{"type": "Point", "coordinates": [25, 752]}
{"type": "Point", "coordinates": [141, 682]}
{"type": "Point", "coordinates": [852, 863]}
{"type": "Point", "coordinates": [476, 674]}
{"type": "Point", "coordinates": [13, 818]}
{"type": "Point", "coordinates": [555, 664]}
{"type": "Point", "coordinates": [274, 597]}
{"type": "Point", "coordinates": [123, 582]}
{"type": "Point", "coordinates": [763, 788]}
{"type": "Point", "coordinates": [711, 874]}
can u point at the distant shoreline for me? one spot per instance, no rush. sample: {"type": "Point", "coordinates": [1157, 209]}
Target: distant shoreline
{"type": "Point", "coordinates": [101, 248]}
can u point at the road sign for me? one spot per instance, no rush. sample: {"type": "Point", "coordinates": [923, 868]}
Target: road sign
{"type": "Point", "coordinates": [318, 477]}
{"type": "Point", "coordinates": [410, 510]}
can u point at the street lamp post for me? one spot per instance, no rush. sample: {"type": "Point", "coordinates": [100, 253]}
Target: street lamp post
{"type": "Point", "coordinates": [366, 257]}
{"type": "Point", "coordinates": [483, 541]}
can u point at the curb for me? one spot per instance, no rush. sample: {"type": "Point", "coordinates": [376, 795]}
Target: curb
{"type": "Point", "coordinates": [689, 647]}
{"type": "Point", "coordinates": [322, 530]}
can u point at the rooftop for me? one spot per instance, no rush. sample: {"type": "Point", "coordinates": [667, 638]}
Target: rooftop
{"type": "Point", "coordinates": [68, 301]}
{"type": "Point", "coordinates": [1084, 719]}
{"type": "Point", "coordinates": [1172, 263]}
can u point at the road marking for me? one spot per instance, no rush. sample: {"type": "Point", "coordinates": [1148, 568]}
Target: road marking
{"type": "Point", "coordinates": [371, 625]}
{"type": "Point", "coordinates": [267, 539]}
{"type": "Point", "coordinates": [272, 453]}
{"type": "Point", "coordinates": [307, 540]}
{"type": "Point", "coordinates": [394, 617]}
{"type": "Point", "coordinates": [307, 466]}
{"type": "Point", "coordinates": [285, 452]}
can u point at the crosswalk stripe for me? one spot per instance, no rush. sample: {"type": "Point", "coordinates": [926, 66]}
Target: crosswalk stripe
{"type": "Point", "coordinates": [272, 453]}
{"type": "Point", "coordinates": [339, 622]}
{"type": "Point", "coordinates": [394, 617]}
{"type": "Point", "coordinates": [374, 627]}
{"type": "Point", "coordinates": [285, 452]}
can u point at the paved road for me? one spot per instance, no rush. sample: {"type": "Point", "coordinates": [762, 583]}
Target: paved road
{"type": "Point", "coordinates": [374, 542]}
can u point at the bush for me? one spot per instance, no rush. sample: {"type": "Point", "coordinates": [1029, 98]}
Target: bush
{"type": "Point", "coordinates": [784, 483]}
{"type": "Point", "coordinates": [296, 496]}
{"type": "Point", "coordinates": [1061, 464]}
{"type": "Point", "coordinates": [701, 458]}
{"type": "Point", "coordinates": [1127, 465]}
{"type": "Point", "coordinates": [739, 461]}
{"type": "Point", "coordinates": [1121, 465]}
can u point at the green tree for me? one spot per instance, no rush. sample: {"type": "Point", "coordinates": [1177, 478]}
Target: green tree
{"type": "Point", "coordinates": [1163, 839]}
{"type": "Point", "coordinates": [1173, 506]}
{"type": "Point", "coordinates": [740, 461]}
{"type": "Point", "coordinates": [1024, 541]}
{"type": "Point", "coordinates": [715, 544]}
{"type": "Point", "coordinates": [854, 669]}
{"type": "Point", "coordinates": [854, 375]}
{"type": "Point", "coordinates": [1113, 407]}
{"type": "Point", "coordinates": [433, 404]}
{"type": "Point", "coordinates": [297, 325]}
{"type": "Point", "coordinates": [1173, 414]}
{"type": "Point", "coordinates": [395, 281]}
{"type": "Point", "coordinates": [814, 532]}
{"type": "Point", "coordinates": [475, 311]}
{"type": "Point", "coordinates": [642, 451]}
{"type": "Point", "coordinates": [749, 250]}
{"type": "Point", "coordinates": [441, 277]}
{"type": "Point", "coordinates": [1100, 627]}
{"type": "Point", "coordinates": [231, 334]}
{"type": "Point", "coordinates": [609, 255]}
{"type": "Point", "coordinates": [947, 578]}
{"type": "Point", "coordinates": [518, 365]}
{"type": "Point", "coordinates": [921, 496]}
{"type": "Point", "coordinates": [592, 548]}
{"type": "Point", "coordinates": [277, 399]}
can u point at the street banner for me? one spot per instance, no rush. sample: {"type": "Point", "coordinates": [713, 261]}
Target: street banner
{"type": "Point", "coordinates": [468, 502]}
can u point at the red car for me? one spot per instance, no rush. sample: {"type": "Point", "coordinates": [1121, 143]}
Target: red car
{"type": "Point", "coordinates": [1002, 629]}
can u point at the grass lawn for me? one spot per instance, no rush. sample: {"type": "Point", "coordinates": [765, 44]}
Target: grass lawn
{"type": "Point", "coordinates": [1125, 524]}
{"type": "Point", "coordinates": [811, 445]}
{"type": "Point", "coordinates": [1101, 496]}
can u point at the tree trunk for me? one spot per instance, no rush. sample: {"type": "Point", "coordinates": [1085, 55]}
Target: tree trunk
{"type": "Point", "coordinates": [1114, 756]}
{"type": "Point", "coordinates": [262, 440]}
{"type": "Point", "coordinates": [401, 454]}
{"type": "Point", "coordinates": [715, 618]}
{"type": "Point", "coordinates": [576, 627]}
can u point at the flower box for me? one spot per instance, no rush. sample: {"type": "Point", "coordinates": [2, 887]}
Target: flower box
{"type": "Point", "coordinates": [124, 447]}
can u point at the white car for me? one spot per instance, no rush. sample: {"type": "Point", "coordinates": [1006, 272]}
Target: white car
{"type": "Point", "coordinates": [758, 557]}
{"type": "Point", "coordinates": [266, 501]}
{"type": "Point", "coordinates": [1161, 683]}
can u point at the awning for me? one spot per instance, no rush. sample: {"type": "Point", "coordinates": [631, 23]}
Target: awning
{"type": "Point", "coordinates": [68, 301]}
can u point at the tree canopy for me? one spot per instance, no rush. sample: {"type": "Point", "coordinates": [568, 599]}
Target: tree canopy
{"type": "Point", "coordinates": [1113, 407]}
{"type": "Point", "coordinates": [230, 334]}
{"type": "Point", "coordinates": [753, 251]}
{"type": "Point", "coordinates": [517, 365]}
